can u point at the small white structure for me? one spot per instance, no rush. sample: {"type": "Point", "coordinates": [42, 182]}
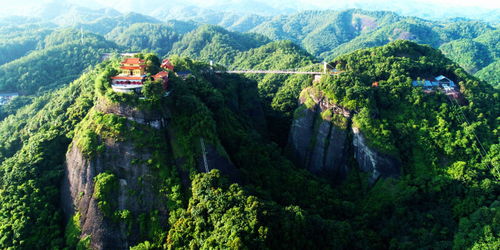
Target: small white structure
{"type": "Point", "coordinates": [444, 81]}
{"type": "Point", "coordinates": [7, 97]}
{"type": "Point", "coordinates": [126, 88]}
{"type": "Point", "coordinates": [438, 81]}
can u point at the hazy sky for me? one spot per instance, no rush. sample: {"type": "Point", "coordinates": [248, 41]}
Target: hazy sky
{"type": "Point", "coordinates": [206, 3]}
{"type": "Point", "coordinates": [24, 6]}
{"type": "Point", "coordinates": [477, 3]}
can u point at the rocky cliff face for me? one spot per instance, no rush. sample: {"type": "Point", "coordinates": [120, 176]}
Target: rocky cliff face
{"type": "Point", "coordinates": [154, 119]}
{"type": "Point", "coordinates": [318, 145]}
{"type": "Point", "coordinates": [134, 185]}
{"type": "Point", "coordinates": [371, 161]}
{"type": "Point", "coordinates": [130, 190]}
{"type": "Point", "coordinates": [323, 141]}
{"type": "Point", "coordinates": [135, 194]}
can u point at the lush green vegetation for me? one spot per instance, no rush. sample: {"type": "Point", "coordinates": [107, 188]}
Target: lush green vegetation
{"type": "Point", "coordinates": [105, 185]}
{"type": "Point", "coordinates": [111, 24]}
{"type": "Point", "coordinates": [59, 63]}
{"type": "Point", "coordinates": [218, 215]}
{"type": "Point", "coordinates": [34, 142]}
{"type": "Point", "coordinates": [278, 92]}
{"type": "Point", "coordinates": [490, 74]}
{"type": "Point", "coordinates": [215, 43]}
{"type": "Point", "coordinates": [446, 198]}
{"type": "Point", "coordinates": [14, 45]}
{"type": "Point", "coordinates": [328, 34]}
{"type": "Point", "coordinates": [443, 161]}
{"type": "Point", "coordinates": [146, 36]}
{"type": "Point", "coordinates": [322, 31]}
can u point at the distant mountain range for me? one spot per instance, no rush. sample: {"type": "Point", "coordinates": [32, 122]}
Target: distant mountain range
{"type": "Point", "coordinates": [201, 10]}
{"type": "Point", "coordinates": [324, 34]}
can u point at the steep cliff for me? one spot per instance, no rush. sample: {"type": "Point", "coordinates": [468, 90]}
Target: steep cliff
{"type": "Point", "coordinates": [126, 170]}
{"type": "Point", "coordinates": [112, 180]}
{"type": "Point", "coordinates": [369, 160]}
{"type": "Point", "coordinates": [323, 140]}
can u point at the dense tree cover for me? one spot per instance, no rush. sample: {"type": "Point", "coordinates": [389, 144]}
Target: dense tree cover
{"type": "Point", "coordinates": [12, 106]}
{"type": "Point", "coordinates": [14, 45]}
{"type": "Point", "coordinates": [231, 21]}
{"type": "Point", "coordinates": [106, 24]}
{"type": "Point", "coordinates": [477, 54]}
{"type": "Point", "coordinates": [446, 197]}
{"type": "Point", "coordinates": [218, 215]}
{"type": "Point", "coordinates": [471, 55]}
{"type": "Point", "coordinates": [322, 31]}
{"type": "Point", "coordinates": [215, 43]}
{"type": "Point", "coordinates": [141, 36]}
{"type": "Point", "coordinates": [450, 175]}
{"type": "Point", "coordinates": [34, 142]}
{"type": "Point", "coordinates": [490, 74]}
{"type": "Point", "coordinates": [414, 29]}
{"type": "Point", "coordinates": [227, 115]}
{"type": "Point", "coordinates": [328, 34]}
{"type": "Point", "coordinates": [53, 66]}
{"type": "Point", "coordinates": [464, 29]}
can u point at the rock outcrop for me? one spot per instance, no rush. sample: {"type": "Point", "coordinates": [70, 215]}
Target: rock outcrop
{"type": "Point", "coordinates": [135, 194]}
{"type": "Point", "coordinates": [211, 158]}
{"type": "Point", "coordinates": [154, 119]}
{"type": "Point", "coordinates": [323, 141]}
{"type": "Point", "coordinates": [134, 175]}
{"type": "Point", "coordinates": [375, 163]}
{"type": "Point", "coordinates": [318, 145]}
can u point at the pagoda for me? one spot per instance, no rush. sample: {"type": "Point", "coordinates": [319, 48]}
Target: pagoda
{"type": "Point", "coordinates": [132, 76]}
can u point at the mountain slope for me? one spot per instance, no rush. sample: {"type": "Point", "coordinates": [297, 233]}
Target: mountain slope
{"type": "Point", "coordinates": [31, 163]}
{"type": "Point", "coordinates": [231, 21]}
{"type": "Point", "coordinates": [210, 176]}
{"type": "Point", "coordinates": [141, 36]}
{"type": "Point", "coordinates": [64, 58]}
{"type": "Point", "coordinates": [215, 43]}
{"type": "Point", "coordinates": [328, 34]}
{"type": "Point", "coordinates": [434, 140]}
{"type": "Point", "coordinates": [321, 31]}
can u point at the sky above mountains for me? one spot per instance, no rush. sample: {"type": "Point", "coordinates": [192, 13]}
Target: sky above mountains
{"type": "Point", "coordinates": [431, 9]}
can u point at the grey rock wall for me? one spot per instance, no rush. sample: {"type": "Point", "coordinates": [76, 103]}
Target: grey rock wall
{"type": "Point", "coordinates": [325, 149]}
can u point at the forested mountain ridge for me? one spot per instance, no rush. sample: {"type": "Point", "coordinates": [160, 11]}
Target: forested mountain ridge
{"type": "Point", "coordinates": [258, 198]}
{"type": "Point", "coordinates": [324, 34]}
{"type": "Point", "coordinates": [359, 160]}
{"type": "Point", "coordinates": [210, 42]}
{"type": "Point", "coordinates": [63, 55]}
{"type": "Point", "coordinates": [328, 34]}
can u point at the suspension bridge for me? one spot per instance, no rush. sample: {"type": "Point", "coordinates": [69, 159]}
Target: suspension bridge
{"type": "Point", "coordinates": [327, 70]}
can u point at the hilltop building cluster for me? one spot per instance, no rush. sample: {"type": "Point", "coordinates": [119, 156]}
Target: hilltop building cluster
{"type": "Point", "coordinates": [133, 75]}
{"type": "Point", "coordinates": [439, 82]}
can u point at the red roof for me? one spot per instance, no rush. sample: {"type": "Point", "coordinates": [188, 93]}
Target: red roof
{"type": "Point", "coordinates": [133, 61]}
{"type": "Point", "coordinates": [167, 64]}
{"type": "Point", "coordinates": [132, 67]}
{"type": "Point", "coordinates": [160, 74]}
{"type": "Point", "coordinates": [127, 78]}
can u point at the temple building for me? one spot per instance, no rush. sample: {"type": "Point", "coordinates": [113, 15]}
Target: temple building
{"type": "Point", "coordinates": [163, 77]}
{"type": "Point", "coordinates": [132, 76]}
